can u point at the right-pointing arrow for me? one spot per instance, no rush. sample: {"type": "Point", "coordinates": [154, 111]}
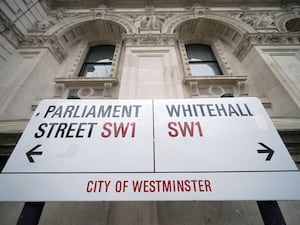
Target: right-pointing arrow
{"type": "Point", "coordinates": [267, 150]}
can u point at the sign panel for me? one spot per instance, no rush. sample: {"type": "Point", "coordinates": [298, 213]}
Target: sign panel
{"type": "Point", "coordinates": [86, 136]}
{"type": "Point", "coordinates": [220, 134]}
{"type": "Point", "coordinates": [150, 186]}
{"type": "Point", "coordinates": [114, 150]}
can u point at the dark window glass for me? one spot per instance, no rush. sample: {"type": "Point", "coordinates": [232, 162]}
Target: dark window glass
{"type": "Point", "coordinates": [98, 61]}
{"type": "Point", "coordinates": [202, 60]}
{"type": "Point", "coordinates": [293, 25]}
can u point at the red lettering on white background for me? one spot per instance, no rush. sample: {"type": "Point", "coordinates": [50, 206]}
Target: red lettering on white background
{"type": "Point", "coordinates": [171, 186]}
{"type": "Point", "coordinates": [121, 185]}
{"type": "Point", "coordinates": [118, 129]}
{"type": "Point", "coordinates": [97, 185]}
{"type": "Point", "coordinates": [190, 129]}
{"type": "Point", "coordinates": [149, 186]}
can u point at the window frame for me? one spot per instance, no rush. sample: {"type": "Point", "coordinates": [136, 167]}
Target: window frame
{"type": "Point", "coordinates": [86, 62]}
{"type": "Point", "coordinates": [213, 61]}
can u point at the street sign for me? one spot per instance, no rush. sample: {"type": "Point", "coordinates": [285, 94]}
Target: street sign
{"type": "Point", "coordinates": [183, 149]}
{"type": "Point", "coordinates": [86, 136]}
{"type": "Point", "coordinates": [221, 134]}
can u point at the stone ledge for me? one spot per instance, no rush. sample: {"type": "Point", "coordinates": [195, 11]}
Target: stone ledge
{"type": "Point", "coordinates": [85, 81]}
{"type": "Point", "coordinates": [218, 80]}
{"type": "Point", "coordinates": [286, 124]}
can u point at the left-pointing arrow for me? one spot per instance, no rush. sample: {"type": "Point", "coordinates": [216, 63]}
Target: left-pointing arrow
{"type": "Point", "coordinates": [32, 152]}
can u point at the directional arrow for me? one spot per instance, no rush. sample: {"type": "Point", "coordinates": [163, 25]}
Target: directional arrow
{"type": "Point", "coordinates": [266, 150]}
{"type": "Point", "coordinates": [32, 152]}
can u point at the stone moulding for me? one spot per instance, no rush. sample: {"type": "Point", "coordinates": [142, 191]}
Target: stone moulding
{"type": "Point", "coordinates": [172, 22]}
{"type": "Point", "coordinates": [220, 80]}
{"type": "Point", "coordinates": [73, 20]}
{"type": "Point", "coordinates": [106, 83]}
{"type": "Point", "coordinates": [49, 42]}
{"type": "Point", "coordinates": [150, 39]}
{"type": "Point", "coordinates": [85, 81]}
{"type": "Point", "coordinates": [152, 27]}
{"type": "Point", "coordinates": [260, 39]}
{"type": "Point", "coordinates": [239, 82]}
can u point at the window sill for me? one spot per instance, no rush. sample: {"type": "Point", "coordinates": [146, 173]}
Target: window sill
{"type": "Point", "coordinates": [215, 80]}
{"type": "Point", "coordinates": [215, 86]}
{"type": "Point", "coordinates": [87, 86]}
{"type": "Point", "coordinates": [86, 81]}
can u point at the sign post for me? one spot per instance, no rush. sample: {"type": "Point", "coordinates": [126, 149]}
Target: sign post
{"type": "Point", "coordinates": [148, 150]}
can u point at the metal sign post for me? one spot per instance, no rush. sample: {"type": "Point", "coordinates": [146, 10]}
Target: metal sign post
{"type": "Point", "coordinates": [271, 213]}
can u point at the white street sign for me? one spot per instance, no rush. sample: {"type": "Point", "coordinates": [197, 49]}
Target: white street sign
{"type": "Point", "coordinates": [221, 134]}
{"type": "Point", "coordinates": [183, 149]}
{"type": "Point", "coordinates": [150, 186]}
{"type": "Point", "coordinates": [86, 136]}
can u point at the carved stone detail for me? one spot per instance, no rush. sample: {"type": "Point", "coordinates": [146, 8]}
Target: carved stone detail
{"type": "Point", "coordinates": [107, 92]}
{"type": "Point", "coordinates": [185, 59]}
{"type": "Point", "coordinates": [222, 56]}
{"type": "Point", "coordinates": [100, 11]}
{"type": "Point", "coordinates": [149, 21]}
{"type": "Point", "coordinates": [150, 39]}
{"type": "Point", "coordinates": [60, 88]}
{"type": "Point", "coordinates": [87, 87]}
{"type": "Point", "coordinates": [53, 18]}
{"type": "Point", "coordinates": [41, 26]}
{"type": "Point", "coordinates": [266, 19]}
{"type": "Point", "coordinates": [283, 18]}
{"type": "Point", "coordinates": [216, 85]}
{"type": "Point", "coordinates": [49, 42]}
{"type": "Point", "coordinates": [10, 31]}
{"type": "Point", "coordinates": [250, 40]}
{"type": "Point", "coordinates": [199, 10]}
{"type": "Point", "coordinates": [153, 27]}
{"type": "Point", "coordinates": [177, 19]}
{"type": "Point", "coordinates": [241, 88]}
{"type": "Point", "coordinates": [194, 88]}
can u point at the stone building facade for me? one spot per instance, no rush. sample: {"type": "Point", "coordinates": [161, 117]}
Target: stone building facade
{"type": "Point", "coordinates": [44, 46]}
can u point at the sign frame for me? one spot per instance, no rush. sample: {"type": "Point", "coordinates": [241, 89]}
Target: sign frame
{"type": "Point", "coordinates": [273, 177]}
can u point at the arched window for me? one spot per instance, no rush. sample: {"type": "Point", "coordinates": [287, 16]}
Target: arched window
{"type": "Point", "coordinates": [293, 25]}
{"type": "Point", "coordinates": [98, 61]}
{"type": "Point", "coordinates": [202, 60]}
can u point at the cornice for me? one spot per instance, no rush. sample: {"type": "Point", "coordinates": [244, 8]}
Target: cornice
{"type": "Point", "coordinates": [261, 39]}
{"type": "Point", "coordinates": [134, 4]}
{"type": "Point", "coordinates": [156, 26]}
{"type": "Point", "coordinates": [150, 39]}
{"type": "Point", "coordinates": [150, 17]}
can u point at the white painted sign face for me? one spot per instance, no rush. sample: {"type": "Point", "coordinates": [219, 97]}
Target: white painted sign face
{"type": "Point", "coordinates": [115, 150]}
{"type": "Point", "coordinates": [216, 135]}
{"type": "Point", "coordinates": [86, 136]}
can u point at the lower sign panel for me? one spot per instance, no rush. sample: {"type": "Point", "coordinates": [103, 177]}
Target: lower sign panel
{"type": "Point", "coordinates": [151, 186]}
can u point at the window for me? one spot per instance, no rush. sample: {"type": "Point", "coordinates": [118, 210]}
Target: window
{"type": "Point", "coordinates": [202, 60]}
{"type": "Point", "coordinates": [293, 25]}
{"type": "Point", "coordinates": [98, 61]}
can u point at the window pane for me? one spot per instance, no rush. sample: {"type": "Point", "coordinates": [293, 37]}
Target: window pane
{"type": "Point", "coordinates": [100, 53]}
{"type": "Point", "coordinates": [205, 69]}
{"type": "Point", "coordinates": [198, 52]}
{"type": "Point", "coordinates": [96, 70]}
{"type": "Point", "coordinates": [98, 61]}
{"type": "Point", "coordinates": [202, 60]}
